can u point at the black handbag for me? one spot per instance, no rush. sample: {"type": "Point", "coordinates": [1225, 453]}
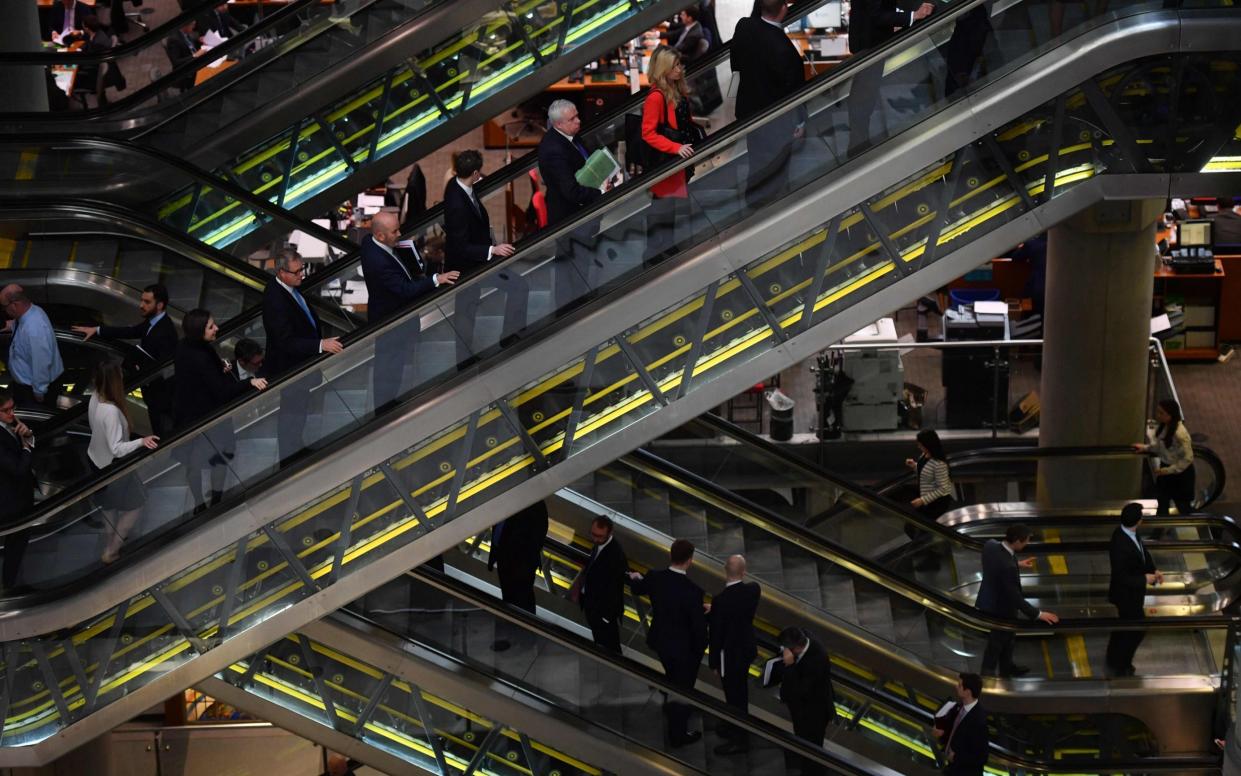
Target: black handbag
{"type": "Point", "coordinates": [685, 133]}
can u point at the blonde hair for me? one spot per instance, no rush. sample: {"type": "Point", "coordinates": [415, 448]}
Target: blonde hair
{"type": "Point", "coordinates": [663, 60]}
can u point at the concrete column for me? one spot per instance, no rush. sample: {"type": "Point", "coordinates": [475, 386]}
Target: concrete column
{"type": "Point", "coordinates": [1096, 328]}
{"type": "Point", "coordinates": [25, 88]}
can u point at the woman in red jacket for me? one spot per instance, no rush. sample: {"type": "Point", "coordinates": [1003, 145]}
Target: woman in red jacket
{"type": "Point", "coordinates": [665, 123]}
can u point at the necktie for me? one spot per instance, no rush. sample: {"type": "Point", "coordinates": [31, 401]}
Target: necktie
{"type": "Point", "coordinates": [581, 149]}
{"type": "Point", "coordinates": [301, 302]}
{"type": "Point", "coordinates": [955, 724]}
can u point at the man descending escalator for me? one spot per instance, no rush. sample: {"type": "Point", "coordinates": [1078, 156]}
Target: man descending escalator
{"type": "Point", "coordinates": [733, 649]}
{"type": "Point", "coordinates": [1000, 596]}
{"type": "Point", "coordinates": [600, 587]}
{"type": "Point", "coordinates": [678, 631]}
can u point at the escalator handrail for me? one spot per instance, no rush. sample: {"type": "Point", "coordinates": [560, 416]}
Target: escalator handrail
{"type": "Point", "coordinates": [878, 689]}
{"type": "Point", "coordinates": [984, 455]}
{"type": "Point", "coordinates": [632, 189]}
{"type": "Point", "coordinates": [944, 605]}
{"type": "Point", "coordinates": [187, 247]}
{"type": "Point", "coordinates": [881, 493]}
{"type": "Point", "coordinates": [581, 646]}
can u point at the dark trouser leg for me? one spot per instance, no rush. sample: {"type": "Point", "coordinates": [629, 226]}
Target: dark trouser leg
{"type": "Point", "coordinates": [768, 150]}
{"type": "Point", "coordinates": [999, 652]}
{"type": "Point", "coordinates": [516, 300]}
{"type": "Point", "coordinates": [517, 587]}
{"type": "Point", "coordinates": [737, 694]}
{"type": "Point", "coordinates": [23, 395]}
{"type": "Point", "coordinates": [863, 97]}
{"type": "Point", "coordinates": [291, 418]}
{"type": "Point", "coordinates": [606, 633]}
{"type": "Point", "coordinates": [1122, 645]}
{"type": "Point", "coordinates": [392, 352]}
{"type": "Point", "coordinates": [14, 551]}
{"type": "Point", "coordinates": [682, 672]}
{"type": "Point", "coordinates": [464, 311]}
{"type": "Point", "coordinates": [159, 407]}
{"type": "Point", "coordinates": [813, 733]}
{"type": "Point", "coordinates": [660, 222]}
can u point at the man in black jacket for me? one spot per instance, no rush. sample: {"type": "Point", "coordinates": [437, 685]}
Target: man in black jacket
{"type": "Point", "coordinates": [600, 587]}
{"type": "Point", "coordinates": [469, 246]}
{"type": "Point", "coordinates": [396, 277]}
{"type": "Point", "coordinates": [871, 24]}
{"type": "Point", "coordinates": [731, 622]}
{"type": "Point", "coordinates": [294, 336]}
{"type": "Point", "coordinates": [806, 688]}
{"type": "Point", "coordinates": [181, 47]}
{"type": "Point", "coordinates": [157, 338]}
{"type": "Point", "coordinates": [967, 746]}
{"type": "Point", "coordinates": [678, 631]}
{"type": "Point", "coordinates": [561, 155]}
{"type": "Point", "coordinates": [770, 69]}
{"type": "Point", "coordinates": [17, 484]}
{"type": "Point", "coordinates": [1000, 596]}
{"type": "Point", "coordinates": [1133, 569]}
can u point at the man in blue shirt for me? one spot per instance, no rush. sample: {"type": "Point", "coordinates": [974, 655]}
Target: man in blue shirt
{"type": "Point", "coordinates": [34, 358]}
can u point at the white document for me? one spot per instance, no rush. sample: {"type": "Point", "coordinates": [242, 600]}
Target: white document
{"type": "Point", "coordinates": [991, 308]}
{"type": "Point", "coordinates": [943, 710]}
{"type": "Point", "coordinates": [1160, 323]}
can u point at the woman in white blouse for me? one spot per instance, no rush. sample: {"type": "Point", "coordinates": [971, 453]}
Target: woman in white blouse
{"type": "Point", "coordinates": [1174, 476]}
{"type": "Point", "coordinates": [122, 501]}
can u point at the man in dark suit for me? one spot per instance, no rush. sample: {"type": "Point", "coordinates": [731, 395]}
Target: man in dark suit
{"type": "Point", "coordinates": [806, 688]}
{"type": "Point", "coordinates": [871, 24]}
{"type": "Point", "coordinates": [220, 21]}
{"type": "Point", "coordinates": [731, 622]}
{"type": "Point", "coordinates": [600, 587]}
{"type": "Point", "coordinates": [157, 338]}
{"type": "Point", "coordinates": [468, 247]}
{"type": "Point", "coordinates": [17, 484]}
{"type": "Point", "coordinates": [1133, 569]}
{"type": "Point", "coordinates": [1000, 596]}
{"type": "Point", "coordinates": [247, 362]}
{"type": "Point", "coordinates": [561, 155]}
{"type": "Point", "coordinates": [966, 746]}
{"type": "Point", "coordinates": [517, 548]}
{"type": "Point", "coordinates": [181, 47]}
{"type": "Point", "coordinates": [396, 277]}
{"type": "Point", "coordinates": [770, 69]}
{"type": "Point", "coordinates": [678, 631]}
{"type": "Point", "coordinates": [294, 336]}
{"type": "Point", "coordinates": [691, 39]}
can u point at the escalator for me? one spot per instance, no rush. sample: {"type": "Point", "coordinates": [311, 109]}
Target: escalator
{"type": "Point", "coordinates": [883, 726]}
{"type": "Point", "coordinates": [376, 496]}
{"type": "Point", "coordinates": [487, 55]}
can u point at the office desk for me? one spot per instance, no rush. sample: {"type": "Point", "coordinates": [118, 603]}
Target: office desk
{"type": "Point", "coordinates": [207, 73]}
{"type": "Point", "coordinates": [50, 3]}
{"type": "Point", "coordinates": [1201, 296]}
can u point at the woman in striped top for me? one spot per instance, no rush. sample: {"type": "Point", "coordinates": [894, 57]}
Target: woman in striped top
{"type": "Point", "coordinates": [1174, 476]}
{"type": "Point", "coordinates": [934, 483]}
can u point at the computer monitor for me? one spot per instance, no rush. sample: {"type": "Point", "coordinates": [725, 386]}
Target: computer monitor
{"type": "Point", "coordinates": [1196, 233]}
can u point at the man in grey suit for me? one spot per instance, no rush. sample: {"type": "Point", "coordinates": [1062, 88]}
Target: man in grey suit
{"type": "Point", "coordinates": [1000, 596]}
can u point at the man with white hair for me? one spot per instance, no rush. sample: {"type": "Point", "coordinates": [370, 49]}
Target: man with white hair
{"type": "Point", "coordinates": [396, 277]}
{"type": "Point", "coordinates": [561, 155]}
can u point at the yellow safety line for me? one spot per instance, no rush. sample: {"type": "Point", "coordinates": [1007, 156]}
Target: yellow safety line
{"type": "Point", "coordinates": [1075, 645]}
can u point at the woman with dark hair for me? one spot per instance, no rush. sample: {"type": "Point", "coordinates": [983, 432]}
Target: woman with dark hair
{"type": "Point", "coordinates": [201, 386]}
{"type": "Point", "coordinates": [934, 480]}
{"type": "Point", "coordinates": [122, 501]}
{"type": "Point", "coordinates": [1174, 476]}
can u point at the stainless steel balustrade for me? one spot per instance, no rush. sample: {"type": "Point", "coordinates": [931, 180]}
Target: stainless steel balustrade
{"type": "Point", "coordinates": [274, 562]}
